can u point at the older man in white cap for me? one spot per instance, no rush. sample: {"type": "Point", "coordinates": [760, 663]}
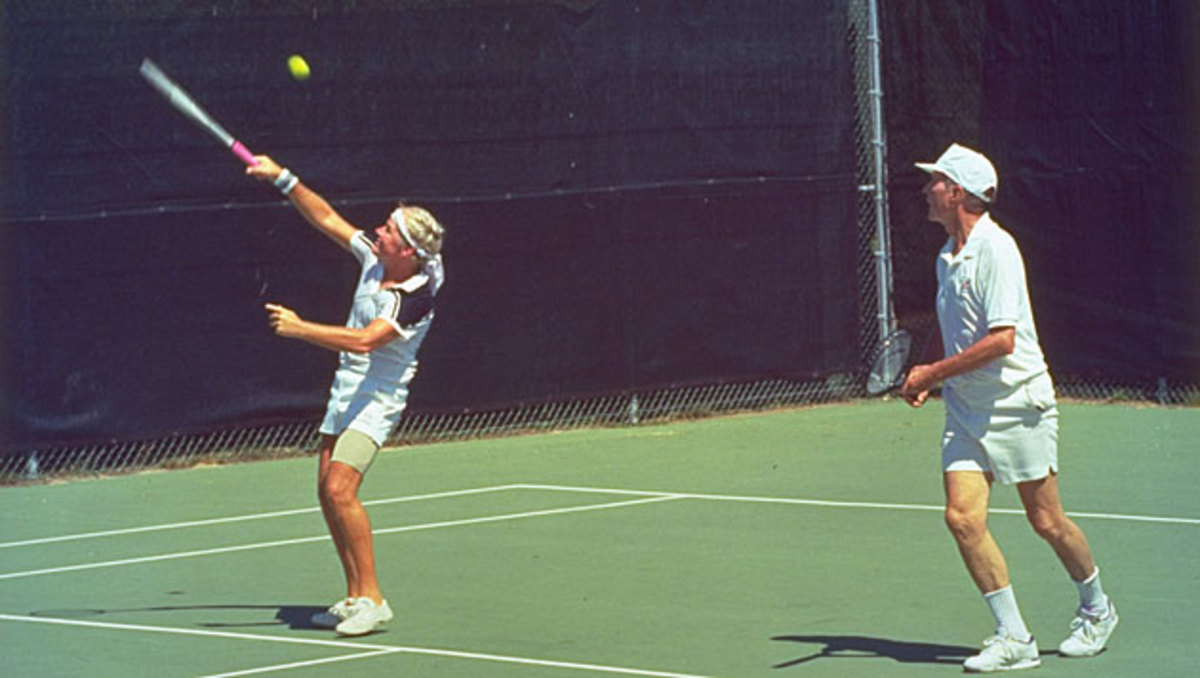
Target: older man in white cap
{"type": "Point", "coordinates": [401, 271]}
{"type": "Point", "coordinates": [1001, 414]}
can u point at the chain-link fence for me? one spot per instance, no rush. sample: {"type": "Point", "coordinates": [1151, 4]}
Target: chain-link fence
{"type": "Point", "coordinates": [297, 438]}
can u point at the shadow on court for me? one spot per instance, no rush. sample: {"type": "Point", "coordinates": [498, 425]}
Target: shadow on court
{"type": "Point", "coordinates": [860, 647]}
{"type": "Point", "coordinates": [296, 617]}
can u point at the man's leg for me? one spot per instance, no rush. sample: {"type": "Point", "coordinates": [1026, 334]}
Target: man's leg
{"type": "Point", "coordinates": [334, 525]}
{"type": "Point", "coordinates": [967, 495]}
{"type": "Point", "coordinates": [348, 522]}
{"type": "Point", "coordinates": [1012, 647]}
{"type": "Point", "coordinates": [1097, 616]}
{"type": "Point", "coordinates": [352, 456]}
{"type": "Point", "coordinates": [1043, 507]}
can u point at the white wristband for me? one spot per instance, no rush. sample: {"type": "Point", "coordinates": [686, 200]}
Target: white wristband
{"type": "Point", "coordinates": [286, 181]}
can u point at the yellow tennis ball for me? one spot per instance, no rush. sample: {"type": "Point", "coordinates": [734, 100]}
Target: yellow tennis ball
{"type": "Point", "coordinates": [298, 67]}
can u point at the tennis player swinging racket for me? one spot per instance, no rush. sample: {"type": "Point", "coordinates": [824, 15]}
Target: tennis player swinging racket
{"type": "Point", "coordinates": [393, 307]}
{"type": "Point", "coordinates": [391, 313]}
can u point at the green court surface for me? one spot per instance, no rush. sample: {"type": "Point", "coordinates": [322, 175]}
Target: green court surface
{"type": "Point", "coordinates": [796, 544]}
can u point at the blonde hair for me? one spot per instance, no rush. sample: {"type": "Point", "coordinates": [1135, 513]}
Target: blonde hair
{"type": "Point", "coordinates": [423, 228]}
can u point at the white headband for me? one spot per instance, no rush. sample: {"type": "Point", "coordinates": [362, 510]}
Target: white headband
{"type": "Point", "coordinates": [402, 224]}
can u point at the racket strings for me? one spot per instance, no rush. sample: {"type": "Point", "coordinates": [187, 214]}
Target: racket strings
{"type": "Point", "coordinates": [888, 367]}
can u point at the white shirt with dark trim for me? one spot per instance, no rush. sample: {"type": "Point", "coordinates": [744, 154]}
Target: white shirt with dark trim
{"type": "Point", "coordinates": [407, 307]}
{"type": "Point", "coordinates": [983, 288]}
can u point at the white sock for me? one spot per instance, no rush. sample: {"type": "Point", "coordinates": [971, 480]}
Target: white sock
{"type": "Point", "coordinates": [1091, 595]}
{"type": "Point", "coordinates": [1003, 603]}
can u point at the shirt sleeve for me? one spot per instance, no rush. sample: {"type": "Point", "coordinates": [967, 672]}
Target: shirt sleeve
{"type": "Point", "coordinates": [360, 247]}
{"type": "Point", "coordinates": [388, 303]}
{"type": "Point", "coordinates": [1001, 283]}
{"type": "Point", "coordinates": [405, 311]}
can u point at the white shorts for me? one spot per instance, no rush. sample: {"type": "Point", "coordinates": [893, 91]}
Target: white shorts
{"type": "Point", "coordinates": [366, 405]}
{"type": "Point", "coordinates": [1016, 440]}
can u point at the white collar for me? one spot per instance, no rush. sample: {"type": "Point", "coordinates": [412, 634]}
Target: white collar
{"type": "Point", "coordinates": [412, 283]}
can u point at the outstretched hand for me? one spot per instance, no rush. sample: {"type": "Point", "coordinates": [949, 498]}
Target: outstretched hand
{"type": "Point", "coordinates": [283, 319]}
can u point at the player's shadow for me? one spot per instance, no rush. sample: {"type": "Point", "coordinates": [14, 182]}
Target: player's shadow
{"type": "Point", "coordinates": [298, 616]}
{"type": "Point", "coordinates": [860, 647]}
{"type": "Point", "coordinates": [293, 616]}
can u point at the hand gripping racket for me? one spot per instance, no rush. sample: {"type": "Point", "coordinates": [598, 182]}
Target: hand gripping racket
{"type": "Point", "coordinates": [889, 363]}
{"type": "Point", "coordinates": [182, 101]}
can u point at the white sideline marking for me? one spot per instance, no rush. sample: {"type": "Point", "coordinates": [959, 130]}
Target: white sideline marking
{"type": "Point", "coordinates": [578, 666]}
{"type": "Point", "coordinates": [843, 504]}
{"type": "Point", "coordinates": [308, 540]}
{"type": "Point", "coordinates": [299, 665]}
{"type": "Point", "coordinates": [527, 514]}
{"type": "Point", "coordinates": [571, 488]}
{"type": "Point", "coordinates": [238, 519]}
{"type": "Point", "coordinates": [372, 650]}
{"type": "Point", "coordinates": [648, 496]}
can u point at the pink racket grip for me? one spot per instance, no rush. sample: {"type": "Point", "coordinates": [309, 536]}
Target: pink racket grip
{"type": "Point", "coordinates": [244, 153]}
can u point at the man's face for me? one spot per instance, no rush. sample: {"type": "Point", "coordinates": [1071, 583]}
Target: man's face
{"type": "Point", "coordinates": [943, 197]}
{"type": "Point", "coordinates": [389, 241]}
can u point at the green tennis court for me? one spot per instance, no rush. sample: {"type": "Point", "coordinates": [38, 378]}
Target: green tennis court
{"type": "Point", "coordinates": [797, 543]}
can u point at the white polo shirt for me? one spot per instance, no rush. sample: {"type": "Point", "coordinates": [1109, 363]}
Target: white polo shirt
{"type": "Point", "coordinates": [982, 288]}
{"type": "Point", "coordinates": [370, 390]}
{"type": "Point", "coordinates": [407, 307]}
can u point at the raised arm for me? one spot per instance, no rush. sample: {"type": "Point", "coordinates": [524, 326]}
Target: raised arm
{"type": "Point", "coordinates": [315, 209]}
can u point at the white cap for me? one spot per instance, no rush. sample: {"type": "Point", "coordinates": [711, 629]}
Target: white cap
{"type": "Point", "coordinates": [967, 168]}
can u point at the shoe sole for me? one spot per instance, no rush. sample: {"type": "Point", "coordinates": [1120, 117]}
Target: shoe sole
{"type": "Point", "coordinates": [1019, 666]}
{"type": "Point", "coordinates": [360, 632]}
{"type": "Point", "coordinates": [1064, 655]}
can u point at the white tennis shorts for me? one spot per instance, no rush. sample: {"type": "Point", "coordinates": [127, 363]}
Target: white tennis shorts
{"type": "Point", "coordinates": [369, 406]}
{"type": "Point", "coordinates": [1015, 440]}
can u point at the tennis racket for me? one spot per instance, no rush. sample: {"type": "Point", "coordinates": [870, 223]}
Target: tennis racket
{"type": "Point", "coordinates": [889, 363]}
{"type": "Point", "coordinates": [183, 102]}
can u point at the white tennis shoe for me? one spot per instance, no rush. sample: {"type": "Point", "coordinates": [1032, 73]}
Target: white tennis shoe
{"type": "Point", "coordinates": [1089, 633]}
{"type": "Point", "coordinates": [336, 614]}
{"type": "Point", "coordinates": [1004, 653]}
{"type": "Point", "coordinates": [364, 617]}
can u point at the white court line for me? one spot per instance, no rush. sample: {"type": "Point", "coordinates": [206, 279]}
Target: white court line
{"type": "Point", "coordinates": [308, 540]}
{"type": "Point", "coordinates": [571, 488]}
{"type": "Point", "coordinates": [300, 665]}
{"type": "Point", "coordinates": [372, 650]}
{"type": "Point", "coordinates": [207, 633]}
{"type": "Point", "coordinates": [527, 514]}
{"type": "Point", "coordinates": [844, 504]}
{"type": "Point", "coordinates": [547, 663]}
{"type": "Point", "coordinates": [238, 519]}
{"type": "Point", "coordinates": [648, 496]}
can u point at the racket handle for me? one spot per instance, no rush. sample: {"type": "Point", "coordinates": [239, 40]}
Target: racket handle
{"type": "Point", "coordinates": [244, 153]}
